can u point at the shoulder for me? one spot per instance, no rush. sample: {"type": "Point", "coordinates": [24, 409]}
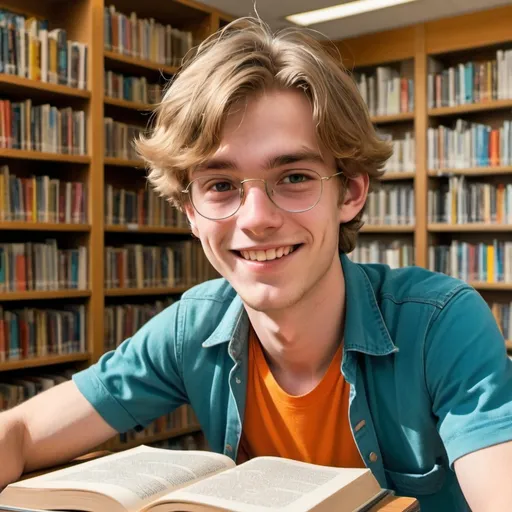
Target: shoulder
{"type": "Point", "coordinates": [413, 284]}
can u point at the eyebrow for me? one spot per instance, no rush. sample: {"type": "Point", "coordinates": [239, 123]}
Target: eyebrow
{"type": "Point", "coordinates": [302, 155]}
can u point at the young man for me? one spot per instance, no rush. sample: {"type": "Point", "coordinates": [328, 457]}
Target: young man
{"type": "Point", "coordinates": [298, 352]}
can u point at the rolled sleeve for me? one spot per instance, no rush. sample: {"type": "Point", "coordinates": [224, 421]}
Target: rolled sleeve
{"type": "Point", "coordinates": [140, 380]}
{"type": "Point", "coordinates": [469, 376]}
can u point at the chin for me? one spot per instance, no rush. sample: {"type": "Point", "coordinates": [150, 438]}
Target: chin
{"type": "Point", "coordinates": [265, 298]}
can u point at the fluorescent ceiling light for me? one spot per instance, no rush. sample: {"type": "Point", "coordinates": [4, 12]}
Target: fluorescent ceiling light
{"type": "Point", "coordinates": [342, 11]}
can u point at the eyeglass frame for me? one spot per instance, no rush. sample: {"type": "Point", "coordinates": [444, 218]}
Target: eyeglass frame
{"type": "Point", "coordinates": [246, 180]}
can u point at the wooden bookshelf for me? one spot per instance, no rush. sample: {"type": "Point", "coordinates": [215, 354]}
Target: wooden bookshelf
{"type": "Point", "coordinates": [132, 64]}
{"type": "Point", "coordinates": [471, 37]}
{"type": "Point", "coordinates": [397, 176]}
{"type": "Point", "coordinates": [369, 228]}
{"type": "Point", "coordinates": [122, 162]}
{"type": "Point", "coordinates": [471, 107]}
{"type": "Point", "coordinates": [44, 295]}
{"type": "Point", "coordinates": [469, 228]}
{"type": "Point", "coordinates": [19, 154]}
{"type": "Point", "coordinates": [473, 171]}
{"type": "Point", "coordinates": [36, 362]}
{"type": "Point", "coordinates": [133, 292]}
{"type": "Point", "coordinates": [43, 226]}
{"type": "Point", "coordinates": [393, 118]}
{"type": "Point", "coordinates": [135, 228]}
{"type": "Point", "coordinates": [482, 285]}
{"type": "Point", "coordinates": [38, 89]}
{"type": "Point", "coordinates": [129, 105]}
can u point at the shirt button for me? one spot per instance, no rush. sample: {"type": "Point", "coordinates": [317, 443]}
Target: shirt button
{"type": "Point", "coordinates": [229, 448]}
{"type": "Point", "coordinates": [360, 425]}
{"type": "Point", "coordinates": [238, 380]}
{"type": "Point", "coordinates": [373, 457]}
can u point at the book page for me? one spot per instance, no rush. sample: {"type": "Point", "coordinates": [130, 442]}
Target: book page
{"type": "Point", "coordinates": [268, 483]}
{"type": "Point", "coordinates": [134, 477]}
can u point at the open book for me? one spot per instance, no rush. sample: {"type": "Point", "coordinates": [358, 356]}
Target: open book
{"type": "Point", "coordinates": [146, 479]}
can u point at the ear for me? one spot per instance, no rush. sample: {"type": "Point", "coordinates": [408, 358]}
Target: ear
{"type": "Point", "coordinates": [355, 197]}
{"type": "Point", "coordinates": [191, 216]}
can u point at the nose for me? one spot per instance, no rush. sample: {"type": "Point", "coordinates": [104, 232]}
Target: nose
{"type": "Point", "coordinates": [258, 214]}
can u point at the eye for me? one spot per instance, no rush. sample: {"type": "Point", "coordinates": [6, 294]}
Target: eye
{"type": "Point", "coordinates": [222, 186]}
{"type": "Point", "coordinates": [294, 178]}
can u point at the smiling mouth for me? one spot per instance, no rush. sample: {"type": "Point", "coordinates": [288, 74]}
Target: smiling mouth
{"type": "Point", "coordinates": [269, 254]}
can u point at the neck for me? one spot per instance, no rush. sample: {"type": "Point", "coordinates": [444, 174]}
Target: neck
{"type": "Point", "coordinates": [300, 341]}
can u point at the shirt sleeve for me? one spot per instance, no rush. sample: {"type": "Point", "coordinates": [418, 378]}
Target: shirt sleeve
{"type": "Point", "coordinates": [141, 380]}
{"type": "Point", "coordinates": [469, 376]}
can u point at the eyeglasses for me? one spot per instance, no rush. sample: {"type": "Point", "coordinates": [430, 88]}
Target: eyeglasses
{"type": "Point", "coordinates": [219, 196]}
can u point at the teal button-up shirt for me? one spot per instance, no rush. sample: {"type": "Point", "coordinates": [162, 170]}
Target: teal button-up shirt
{"type": "Point", "coordinates": [426, 363]}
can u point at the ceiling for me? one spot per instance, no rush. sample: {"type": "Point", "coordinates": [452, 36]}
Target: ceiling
{"type": "Point", "coordinates": [274, 11]}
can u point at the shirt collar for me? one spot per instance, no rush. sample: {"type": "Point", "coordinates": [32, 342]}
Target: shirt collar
{"type": "Point", "coordinates": [365, 329]}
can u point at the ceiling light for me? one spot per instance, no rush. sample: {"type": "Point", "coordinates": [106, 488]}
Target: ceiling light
{"type": "Point", "coordinates": [342, 11]}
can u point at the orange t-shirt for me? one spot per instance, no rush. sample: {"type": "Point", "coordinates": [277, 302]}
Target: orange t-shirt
{"type": "Point", "coordinates": [312, 428]}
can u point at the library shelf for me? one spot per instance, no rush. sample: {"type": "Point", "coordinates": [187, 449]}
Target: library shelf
{"type": "Point", "coordinates": [475, 227]}
{"type": "Point", "coordinates": [374, 228]}
{"type": "Point", "coordinates": [135, 228]}
{"type": "Point", "coordinates": [43, 294]}
{"type": "Point", "coordinates": [43, 361]}
{"type": "Point", "coordinates": [395, 176]}
{"type": "Point", "coordinates": [393, 118]}
{"type": "Point", "coordinates": [472, 171]}
{"type": "Point", "coordinates": [40, 155]}
{"type": "Point", "coordinates": [470, 107]}
{"type": "Point", "coordinates": [122, 162]}
{"type": "Point", "coordinates": [484, 285]}
{"type": "Point", "coordinates": [13, 83]}
{"type": "Point", "coordinates": [161, 436]}
{"type": "Point", "coordinates": [157, 290]}
{"type": "Point", "coordinates": [133, 62]}
{"type": "Point", "coordinates": [43, 226]}
{"type": "Point", "coordinates": [130, 105]}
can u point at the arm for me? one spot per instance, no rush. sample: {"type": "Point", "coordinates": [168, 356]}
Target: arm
{"type": "Point", "coordinates": [51, 428]}
{"type": "Point", "coordinates": [469, 377]}
{"type": "Point", "coordinates": [484, 477]}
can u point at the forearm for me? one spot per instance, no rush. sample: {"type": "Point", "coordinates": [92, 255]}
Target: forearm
{"type": "Point", "coordinates": [51, 428]}
{"type": "Point", "coordinates": [11, 448]}
{"type": "Point", "coordinates": [59, 425]}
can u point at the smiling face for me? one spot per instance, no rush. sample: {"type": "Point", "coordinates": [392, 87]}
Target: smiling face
{"type": "Point", "coordinates": [274, 258]}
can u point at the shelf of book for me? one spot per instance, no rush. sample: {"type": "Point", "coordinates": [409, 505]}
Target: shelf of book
{"type": "Point", "coordinates": [14, 83]}
{"type": "Point", "coordinates": [135, 228]}
{"type": "Point", "coordinates": [470, 107]}
{"type": "Point", "coordinates": [397, 176]}
{"type": "Point", "coordinates": [483, 285]}
{"type": "Point", "coordinates": [369, 228]}
{"type": "Point", "coordinates": [393, 118]}
{"type": "Point", "coordinates": [43, 226]}
{"type": "Point", "coordinates": [123, 162]}
{"type": "Point", "coordinates": [42, 156]}
{"type": "Point", "coordinates": [155, 438]}
{"type": "Point", "coordinates": [130, 105]}
{"type": "Point", "coordinates": [133, 63]}
{"type": "Point", "coordinates": [22, 364]}
{"type": "Point", "coordinates": [44, 295]}
{"type": "Point", "coordinates": [473, 171]}
{"type": "Point", "coordinates": [469, 228]}
{"type": "Point", "coordinates": [127, 292]}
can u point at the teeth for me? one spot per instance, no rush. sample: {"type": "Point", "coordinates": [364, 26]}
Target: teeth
{"type": "Point", "coordinates": [268, 255]}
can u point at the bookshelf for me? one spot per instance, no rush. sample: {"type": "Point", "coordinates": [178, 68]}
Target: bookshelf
{"type": "Point", "coordinates": [446, 184]}
{"type": "Point", "coordinates": [83, 22]}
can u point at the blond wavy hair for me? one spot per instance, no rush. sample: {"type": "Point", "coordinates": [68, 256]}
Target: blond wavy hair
{"type": "Point", "coordinates": [242, 59]}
